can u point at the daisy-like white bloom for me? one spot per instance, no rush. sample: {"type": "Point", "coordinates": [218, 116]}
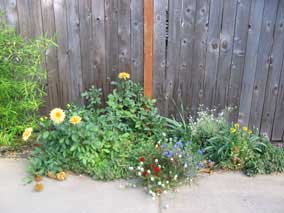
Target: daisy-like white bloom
{"type": "Point", "coordinates": [156, 160]}
{"type": "Point", "coordinates": [27, 133]}
{"type": "Point", "coordinates": [123, 75]}
{"type": "Point", "coordinates": [130, 168]}
{"type": "Point", "coordinates": [75, 119]}
{"type": "Point", "coordinates": [148, 171]}
{"type": "Point", "coordinates": [57, 115]}
{"type": "Point", "coordinates": [152, 178]}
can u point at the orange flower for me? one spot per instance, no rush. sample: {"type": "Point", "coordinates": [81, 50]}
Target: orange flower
{"type": "Point", "coordinates": [38, 187]}
{"type": "Point", "coordinates": [75, 119]}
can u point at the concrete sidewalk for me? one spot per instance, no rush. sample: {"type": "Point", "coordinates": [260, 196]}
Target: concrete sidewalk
{"type": "Point", "coordinates": [217, 193]}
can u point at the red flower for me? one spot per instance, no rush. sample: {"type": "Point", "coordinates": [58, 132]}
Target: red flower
{"type": "Point", "coordinates": [157, 169]}
{"type": "Point", "coordinates": [144, 174]}
{"type": "Point", "coordinates": [141, 159]}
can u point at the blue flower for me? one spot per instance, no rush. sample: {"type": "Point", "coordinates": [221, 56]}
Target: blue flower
{"type": "Point", "coordinates": [165, 153]}
{"type": "Point", "coordinates": [179, 144]}
{"type": "Point", "coordinates": [200, 152]}
{"type": "Point", "coordinates": [170, 154]}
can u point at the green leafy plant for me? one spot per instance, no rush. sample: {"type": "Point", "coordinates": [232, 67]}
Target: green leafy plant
{"type": "Point", "coordinates": [22, 82]}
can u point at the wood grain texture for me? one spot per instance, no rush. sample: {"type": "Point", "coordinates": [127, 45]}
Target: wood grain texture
{"type": "Point", "coordinates": [137, 40]}
{"type": "Point", "coordinates": [86, 43]}
{"type": "Point", "coordinates": [263, 62]}
{"type": "Point", "coordinates": [213, 50]}
{"type": "Point", "coordinates": [111, 46]}
{"type": "Point", "coordinates": [148, 46]}
{"type": "Point", "coordinates": [250, 60]}
{"type": "Point", "coordinates": [225, 57]}
{"type": "Point", "coordinates": [99, 63]}
{"type": "Point", "coordinates": [51, 60]}
{"type": "Point", "coordinates": [273, 80]}
{"type": "Point", "coordinates": [62, 51]}
{"type": "Point", "coordinates": [175, 17]}
{"type": "Point", "coordinates": [182, 93]}
{"type": "Point", "coordinates": [238, 57]}
{"type": "Point", "coordinates": [278, 124]}
{"type": "Point", "coordinates": [74, 54]}
{"type": "Point", "coordinates": [199, 53]}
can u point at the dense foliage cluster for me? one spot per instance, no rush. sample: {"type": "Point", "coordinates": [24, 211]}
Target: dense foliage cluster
{"type": "Point", "coordinates": [22, 82]}
{"type": "Point", "coordinates": [128, 138]}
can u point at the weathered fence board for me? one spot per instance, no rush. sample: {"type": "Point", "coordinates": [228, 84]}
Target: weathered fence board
{"type": "Point", "coordinates": [199, 53]}
{"type": "Point", "coordinates": [274, 72]}
{"type": "Point", "coordinates": [213, 52]}
{"type": "Point", "coordinates": [159, 66]}
{"type": "Point", "coordinates": [263, 62]}
{"type": "Point", "coordinates": [238, 57]}
{"type": "Point", "coordinates": [250, 60]}
{"type": "Point", "coordinates": [225, 57]}
{"type": "Point", "coordinates": [183, 90]}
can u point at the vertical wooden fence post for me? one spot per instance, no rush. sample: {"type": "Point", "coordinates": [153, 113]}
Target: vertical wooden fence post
{"type": "Point", "coordinates": [148, 46]}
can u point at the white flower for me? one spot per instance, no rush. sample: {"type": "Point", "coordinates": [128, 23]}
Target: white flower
{"type": "Point", "coordinates": [139, 173]}
{"type": "Point", "coordinates": [165, 192]}
{"type": "Point", "coordinates": [172, 159]}
{"type": "Point", "coordinates": [163, 185]}
{"type": "Point", "coordinates": [167, 182]}
{"type": "Point", "coordinates": [159, 166]}
{"type": "Point", "coordinates": [175, 177]}
{"type": "Point", "coordinates": [185, 165]}
{"type": "Point", "coordinates": [138, 168]}
{"type": "Point", "coordinates": [152, 178]}
{"type": "Point", "coordinates": [148, 171]}
{"type": "Point", "coordinates": [156, 160]}
{"type": "Point", "coordinates": [130, 168]}
{"type": "Point", "coordinates": [164, 134]}
{"type": "Point", "coordinates": [159, 183]}
{"type": "Point", "coordinates": [142, 169]}
{"type": "Point", "coordinates": [141, 163]}
{"type": "Point", "coordinates": [179, 156]}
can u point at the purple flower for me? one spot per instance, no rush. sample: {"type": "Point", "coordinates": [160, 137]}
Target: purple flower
{"type": "Point", "coordinates": [179, 144]}
{"type": "Point", "coordinates": [170, 154]}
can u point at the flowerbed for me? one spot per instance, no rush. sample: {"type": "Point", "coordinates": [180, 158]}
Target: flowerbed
{"type": "Point", "coordinates": [128, 138]}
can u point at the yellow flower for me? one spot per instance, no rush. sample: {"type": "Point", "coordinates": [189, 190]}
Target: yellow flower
{"type": "Point", "coordinates": [75, 119]}
{"type": "Point", "coordinates": [57, 115]}
{"type": "Point", "coordinates": [249, 131]}
{"type": "Point", "coordinates": [237, 125]}
{"type": "Point", "coordinates": [233, 130]}
{"type": "Point", "coordinates": [27, 133]}
{"type": "Point", "coordinates": [123, 75]}
{"type": "Point", "coordinates": [245, 128]}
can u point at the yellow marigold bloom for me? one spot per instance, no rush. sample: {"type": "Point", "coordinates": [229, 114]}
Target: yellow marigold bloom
{"type": "Point", "coordinates": [245, 128]}
{"type": "Point", "coordinates": [27, 133]}
{"type": "Point", "coordinates": [57, 115]}
{"type": "Point", "coordinates": [123, 75]}
{"type": "Point", "coordinates": [75, 119]}
{"type": "Point", "coordinates": [237, 125]}
{"type": "Point", "coordinates": [233, 130]}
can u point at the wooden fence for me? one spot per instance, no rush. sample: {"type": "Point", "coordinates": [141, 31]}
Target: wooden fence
{"type": "Point", "coordinates": [211, 52]}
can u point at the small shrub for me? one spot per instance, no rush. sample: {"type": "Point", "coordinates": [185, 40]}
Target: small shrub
{"type": "Point", "coordinates": [170, 163]}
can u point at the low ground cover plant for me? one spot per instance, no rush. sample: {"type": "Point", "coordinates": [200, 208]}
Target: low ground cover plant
{"type": "Point", "coordinates": [22, 82]}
